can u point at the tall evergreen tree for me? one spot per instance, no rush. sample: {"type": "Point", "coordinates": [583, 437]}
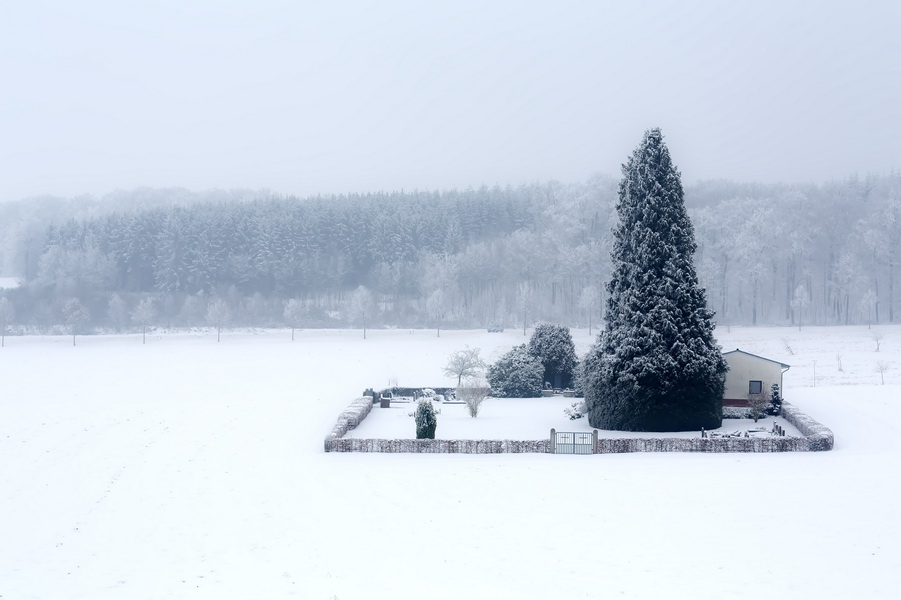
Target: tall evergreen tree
{"type": "Point", "coordinates": [656, 366]}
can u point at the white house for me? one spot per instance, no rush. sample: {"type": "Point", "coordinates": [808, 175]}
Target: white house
{"type": "Point", "coordinates": [750, 374]}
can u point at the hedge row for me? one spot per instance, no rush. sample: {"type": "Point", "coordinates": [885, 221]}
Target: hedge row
{"type": "Point", "coordinates": [437, 446]}
{"type": "Point", "coordinates": [352, 416]}
{"type": "Point", "coordinates": [815, 438]}
{"type": "Point", "coordinates": [818, 436]}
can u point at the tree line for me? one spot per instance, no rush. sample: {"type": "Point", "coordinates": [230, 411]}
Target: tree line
{"type": "Point", "coordinates": [512, 256]}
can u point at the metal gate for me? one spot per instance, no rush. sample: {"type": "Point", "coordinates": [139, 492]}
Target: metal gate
{"type": "Point", "coordinates": [573, 442]}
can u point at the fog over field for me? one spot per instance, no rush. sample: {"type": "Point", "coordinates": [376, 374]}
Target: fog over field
{"type": "Point", "coordinates": [220, 223]}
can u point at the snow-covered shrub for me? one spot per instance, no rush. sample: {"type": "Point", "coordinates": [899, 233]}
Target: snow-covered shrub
{"type": "Point", "coordinates": [737, 412]}
{"type": "Point", "coordinates": [576, 411]}
{"type": "Point", "coordinates": [553, 346]}
{"type": "Point", "coordinates": [759, 404]}
{"type": "Point", "coordinates": [426, 420]}
{"type": "Point", "coordinates": [473, 393]}
{"type": "Point", "coordinates": [516, 374]}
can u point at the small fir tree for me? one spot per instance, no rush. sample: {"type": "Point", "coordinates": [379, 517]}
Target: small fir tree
{"type": "Point", "coordinates": [775, 407]}
{"type": "Point", "coordinates": [426, 420]}
{"type": "Point", "coordinates": [553, 346]}
{"type": "Point", "coordinates": [656, 366]}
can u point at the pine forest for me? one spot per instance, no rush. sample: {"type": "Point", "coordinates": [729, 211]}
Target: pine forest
{"type": "Point", "coordinates": [504, 257]}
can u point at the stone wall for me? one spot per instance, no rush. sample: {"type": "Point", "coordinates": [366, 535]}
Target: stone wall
{"type": "Point", "coordinates": [716, 445]}
{"type": "Point", "coordinates": [816, 438]}
{"type": "Point", "coordinates": [437, 446]}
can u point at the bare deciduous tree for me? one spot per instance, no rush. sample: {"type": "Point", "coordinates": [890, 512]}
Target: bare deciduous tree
{"type": "Point", "coordinates": [588, 301]}
{"type": "Point", "coordinates": [218, 315]}
{"type": "Point", "coordinates": [524, 297]}
{"type": "Point", "coordinates": [877, 337]}
{"type": "Point", "coordinates": [294, 314]}
{"type": "Point", "coordinates": [76, 315]}
{"type": "Point", "coordinates": [473, 394]}
{"type": "Point", "coordinates": [464, 363]}
{"type": "Point", "coordinates": [788, 347]}
{"type": "Point", "coordinates": [881, 368]}
{"type": "Point", "coordinates": [361, 307]}
{"type": "Point", "coordinates": [435, 308]}
{"type": "Point", "coordinates": [143, 314]}
{"type": "Point", "coordinates": [758, 403]}
{"type": "Point", "coordinates": [799, 302]}
{"type": "Point", "coordinates": [7, 314]}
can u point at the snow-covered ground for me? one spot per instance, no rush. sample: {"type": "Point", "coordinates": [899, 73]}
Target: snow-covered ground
{"type": "Point", "coordinates": [184, 468]}
{"type": "Point", "coordinates": [518, 419]}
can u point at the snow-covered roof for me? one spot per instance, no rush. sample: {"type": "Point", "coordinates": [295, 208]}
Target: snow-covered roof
{"type": "Point", "coordinates": [783, 365]}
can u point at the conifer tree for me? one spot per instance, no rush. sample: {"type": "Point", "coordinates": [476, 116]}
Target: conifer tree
{"type": "Point", "coordinates": [656, 366]}
{"type": "Point", "coordinates": [553, 345]}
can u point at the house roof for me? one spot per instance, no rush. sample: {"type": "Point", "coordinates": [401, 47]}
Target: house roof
{"type": "Point", "coordinates": [783, 365]}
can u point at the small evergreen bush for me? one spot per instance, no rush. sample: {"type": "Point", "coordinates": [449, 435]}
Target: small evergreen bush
{"type": "Point", "coordinates": [426, 420]}
{"type": "Point", "coordinates": [775, 407]}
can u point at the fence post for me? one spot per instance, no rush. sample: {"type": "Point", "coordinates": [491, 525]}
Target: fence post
{"type": "Point", "coordinates": [553, 444]}
{"type": "Point", "coordinates": [594, 441]}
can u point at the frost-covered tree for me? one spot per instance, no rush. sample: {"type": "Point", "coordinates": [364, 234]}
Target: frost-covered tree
{"type": "Point", "coordinates": [799, 303]}
{"type": "Point", "coordinates": [464, 363]}
{"type": "Point", "coordinates": [7, 314]}
{"type": "Point", "coordinates": [435, 308]}
{"type": "Point", "coordinates": [588, 301]}
{"type": "Point", "coordinates": [516, 374]}
{"type": "Point", "coordinates": [294, 314]}
{"type": "Point", "coordinates": [143, 314]}
{"type": "Point", "coordinates": [553, 346]}
{"type": "Point", "coordinates": [218, 315]}
{"type": "Point", "coordinates": [76, 315]}
{"type": "Point", "coordinates": [473, 393]}
{"type": "Point", "coordinates": [361, 307]}
{"type": "Point", "coordinates": [656, 366]}
{"type": "Point", "coordinates": [525, 296]}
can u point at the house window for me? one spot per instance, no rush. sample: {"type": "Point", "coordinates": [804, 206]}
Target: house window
{"type": "Point", "coordinates": [755, 387]}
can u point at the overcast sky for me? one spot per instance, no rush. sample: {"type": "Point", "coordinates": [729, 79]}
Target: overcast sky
{"type": "Point", "coordinates": [315, 97]}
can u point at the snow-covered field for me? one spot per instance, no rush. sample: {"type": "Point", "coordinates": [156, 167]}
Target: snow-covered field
{"type": "Point", "coordinates": [184, 468]}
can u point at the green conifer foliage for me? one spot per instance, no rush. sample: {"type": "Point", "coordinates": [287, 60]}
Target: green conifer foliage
{"type": "Point", "coordinates": [656, 366]}
{"type": "Point", "coordinates": [426, 420]}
